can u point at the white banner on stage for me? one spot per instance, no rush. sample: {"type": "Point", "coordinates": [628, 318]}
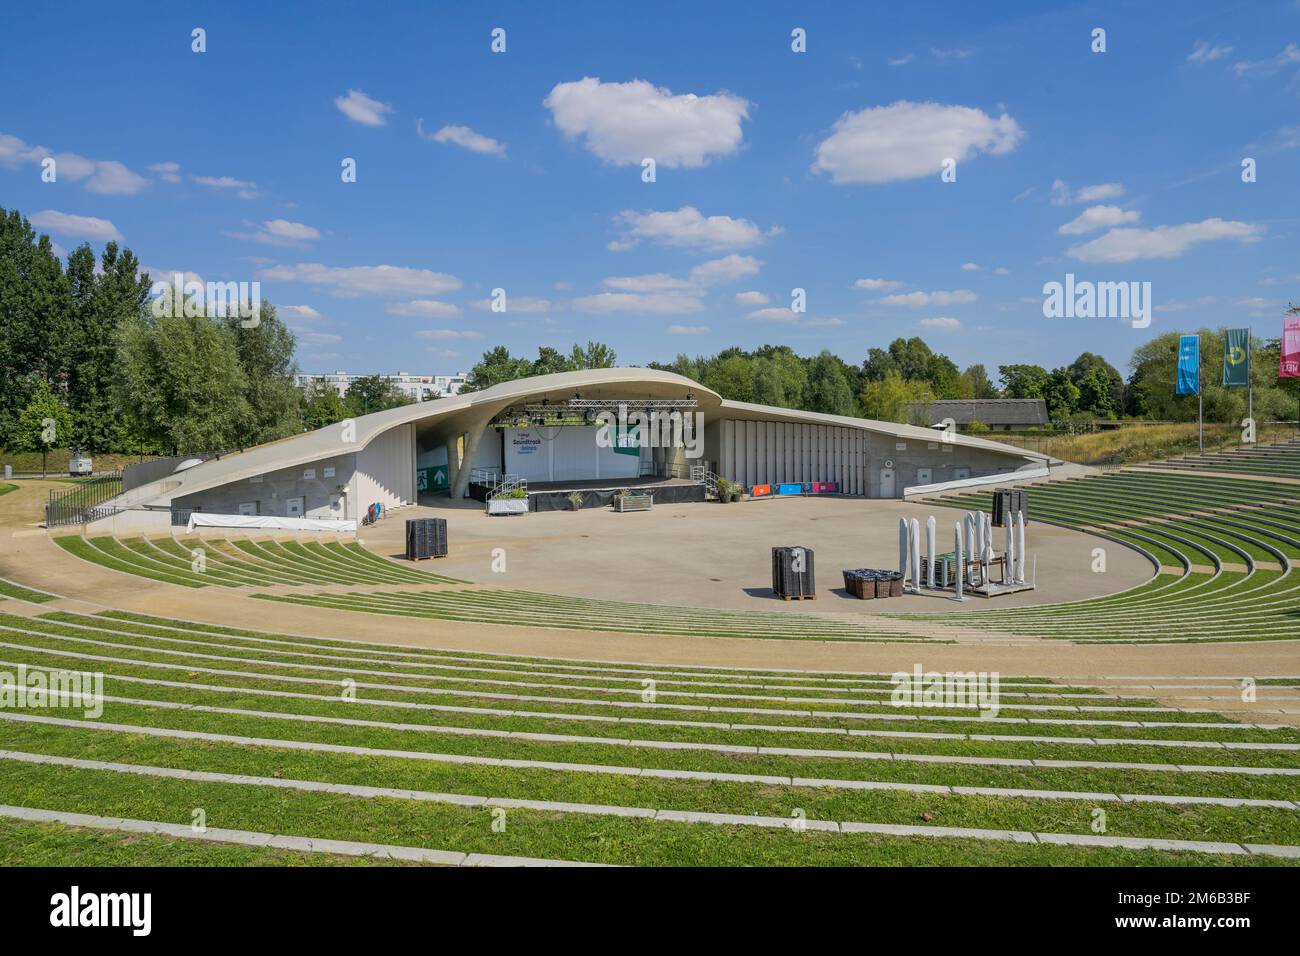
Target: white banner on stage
{"type": "Point", "coordinates": [201, 519]}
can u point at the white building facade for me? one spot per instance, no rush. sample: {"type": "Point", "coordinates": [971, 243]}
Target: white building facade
{"type": "Point", "coordinates": [418, 388]}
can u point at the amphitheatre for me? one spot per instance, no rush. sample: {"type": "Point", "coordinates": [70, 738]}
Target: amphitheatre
{"type": "Point", "coordinates": [596, 687]}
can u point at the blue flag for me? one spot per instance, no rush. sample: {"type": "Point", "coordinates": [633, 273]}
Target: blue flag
{"type": "Point", "coordinates": [1189, 364]}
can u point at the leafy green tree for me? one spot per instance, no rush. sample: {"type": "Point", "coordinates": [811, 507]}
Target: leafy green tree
{"type": "Point", "coordinates": [595, 355]}
{"type": "Point", "coordinates": [265, 352]}
{"type": "Point", "coordinates": [889, 399]}
{"type": "Point", "coordinates": [1097, 394]}
{"type": "Point", "coordinates": [322, 405]}
{"type": "Point", "coordinates": [731, 377]}
{"type": "Point", "coordinates": [180, 386]}
{"type": "Point", "coordinates": [769, 389]}
{"type": "Point", "coordinates": [496, 366]}
{"type": "Point", "coordinates": [829, 390]}
{"type": "Point", "coordinates": [44, 423]}
{"type": "Point", "coordinates": [976, 384]}
{"type": "Point", "coordinates": [789, 369]}
{"type": "Point", "coordinates": [549, 361]}
{"type": "Point", "coordinates": [1062, 395]}
{"type": "Point", "coordinates": [1024, 381]}
{"type": "Point", "coordinates": [373, 393]}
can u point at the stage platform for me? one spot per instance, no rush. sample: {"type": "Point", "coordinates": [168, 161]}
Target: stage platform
{"type": "Point", "coordinates": [600, 492]}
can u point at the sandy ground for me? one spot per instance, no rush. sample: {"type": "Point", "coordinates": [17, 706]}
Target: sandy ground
{"type": "Point", "coordinates": [28, 556]}
{"type": "Point", "coordinates": [719, 556]}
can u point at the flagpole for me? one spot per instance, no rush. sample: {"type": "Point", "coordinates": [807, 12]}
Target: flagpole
{"type": "Point", "coordinates": [1250, 383]}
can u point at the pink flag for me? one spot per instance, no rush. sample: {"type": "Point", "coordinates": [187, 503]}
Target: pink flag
{"type": "Point", "coordinates": [1290, 367]}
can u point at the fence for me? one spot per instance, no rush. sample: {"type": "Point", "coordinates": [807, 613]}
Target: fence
{"type": "Point", "coordinates": [84, 501]}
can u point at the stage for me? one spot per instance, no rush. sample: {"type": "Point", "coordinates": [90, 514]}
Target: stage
{"type": "Point", "coordinates": [600, 492]}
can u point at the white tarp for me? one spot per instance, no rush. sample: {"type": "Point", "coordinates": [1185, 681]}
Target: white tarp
{"type": "Point", "coordinates": [201, 519]}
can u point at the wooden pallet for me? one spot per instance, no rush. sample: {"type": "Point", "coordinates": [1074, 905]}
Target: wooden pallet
{"type": "Point", "coordinates": [799, 597]}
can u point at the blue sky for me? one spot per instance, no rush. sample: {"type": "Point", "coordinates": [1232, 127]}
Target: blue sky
{"type": "Point", "coordinates": [775, 170]}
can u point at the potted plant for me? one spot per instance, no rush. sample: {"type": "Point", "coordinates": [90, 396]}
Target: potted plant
{"type": "Point", "coordinates": [724, 490]}
{"type": "Point", "coordinates": [737, 489]}
{"type": "Point", "coordinates": [575, 500]}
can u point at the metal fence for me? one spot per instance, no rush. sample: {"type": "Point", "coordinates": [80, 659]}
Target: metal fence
{"type": "Point", "coordinates": [84, 501]}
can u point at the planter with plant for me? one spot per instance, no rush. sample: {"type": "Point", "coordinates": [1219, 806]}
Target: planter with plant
{"type": "Point", "coordinates": [575, 501]}
{"type": "Point", "coordinates": [724, 490]}
{"type": "Point", "coordinates": [513, 502]}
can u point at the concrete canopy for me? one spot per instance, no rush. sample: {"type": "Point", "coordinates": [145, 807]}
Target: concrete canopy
{"type": "Point", "coordinates": [443, 420]}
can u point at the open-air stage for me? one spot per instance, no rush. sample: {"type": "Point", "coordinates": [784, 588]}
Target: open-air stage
{"type": "Point", "coordinates": [600, 492]}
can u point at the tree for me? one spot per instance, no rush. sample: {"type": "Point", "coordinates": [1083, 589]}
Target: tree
{"type": "Point", "coordinates": [595, 355]}
{"type": "Point", "coordinates": [731, 377]}
{"type": "Point", "coordinates": [789, 369]}
{"type": "Point", "coordinates": [180, 387]}
{"type": "Point", "coordinates": [265, 353]}
{"type": "Point", "coordinates": [373, 393]}
{"type": "Point", "coordinates": [1023, 381]}
{"type": "Point", "coordinates": [1062, 395]}
{"type": "Point", "coordinates": [43, 423]}
{"type": "Point", "coordinates": [1104, 396]}
{"type": "Point", "coordinates": [888, 399]}
{"type": "Point", "coordinates": [769, 389]}
{"type": "Point", "coordinates": [829, 391]}
{"type": "Point", "coordinates": [976, 384]}
{"type": "Point", "coordinates": [496, 366]}
{"type": "Point", "coordinates": [322, 405]}
{"type": "Point", "coordinates": [549, 361]}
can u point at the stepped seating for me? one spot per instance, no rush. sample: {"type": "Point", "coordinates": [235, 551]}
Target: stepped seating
{"type": "Point", "coordinates": [1280, 460]}
{"type": "Point", "coordinates": [1229, 549]}
{"type": "Point", "coordinates": [598, 762]}
{"type": "Point", "coordinates": [194, 562]}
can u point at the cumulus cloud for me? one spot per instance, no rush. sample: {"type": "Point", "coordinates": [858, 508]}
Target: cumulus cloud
{"type": "Point", "coordinates": [751, 298]}
{"type": "Point", "coordinates": [688, 330]}
{"type": "Point", "coordinates": [300, 312]}
{"type": "Point", "coordinates": [727, 269]}
{"type": "Point", "coordinates": [877, 285]}
{"type": "Point", "coordinates": [464, 137]}
{"type": "Point", "coordinates": [1098, 217]}
{"type": "Point", "coordinates": [279, 232]}
{"type": "Point", "coordinates": [903, 60]}
{"type": "Point", "coordinates": [1062, 195]}
{"type": "Point", "coordinates": [907, 140]}
{"type": "Point", "coordinates": [104, 176]}
{"type": "Point", "coordinates": [945, 322]}
{"type": "Point", "coordinates": [1162, 242]}
{"type": "Point", "coordinates": [78, 227]}
{"type": "Point", "coordinates": [970, 267]}
{"type": "Point", "coordinates": [424, 309]}
{"type": "Point", "coordinates": [244, 188]}
{"type": "Point", "coordinates": [624, 123]}
{"type": "Point", "coordinates": [774, 314]}
{"type": "Point", "coordinates": [359, 108]}
{"type": "Point", "coordinates": [354, 281]}
{"type": "Point", "coordinates": [655, 282]}
{"type": "Point", "coordinates": [441, 335]}
{"type": "Point", "coordinates": [648, 302]}
{"type": "Point", "coordinates": [687, 228]}
{"type": "Point", "coordinates": [518, 303]}
{"type": "Point", "coordinates": [167, 172]}
{"type": "Point", "coordinates": [917, 300]}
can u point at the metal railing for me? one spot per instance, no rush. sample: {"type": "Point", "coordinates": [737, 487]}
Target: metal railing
{"type": "Point", "coordinates": [83, 502]}
{"type": "Point", "coordinates": [508, 484]}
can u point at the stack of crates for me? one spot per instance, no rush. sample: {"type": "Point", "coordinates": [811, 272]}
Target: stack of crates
{"type": "Point", "coordinates": [788, 582]}
{"type": "Point", "coordinates": [1006, 503]}
{"type": "Point", "coordinates": [426, 538]}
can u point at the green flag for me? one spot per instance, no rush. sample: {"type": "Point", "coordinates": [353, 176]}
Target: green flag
{"type": "Point", "coordinates": [1236, 358]}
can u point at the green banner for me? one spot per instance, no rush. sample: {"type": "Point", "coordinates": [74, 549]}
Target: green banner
{"type": "Point", "coordinates": [1236, 358]}
{"type": "Point", "coordinates": [627, 441]}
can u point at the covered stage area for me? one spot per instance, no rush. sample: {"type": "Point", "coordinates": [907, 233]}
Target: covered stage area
{"type": "Point", "coordinates": [599, 492]}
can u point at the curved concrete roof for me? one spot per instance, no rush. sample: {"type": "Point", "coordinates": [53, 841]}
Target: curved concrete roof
{"type": "Point", "coordinates": [459, 413]}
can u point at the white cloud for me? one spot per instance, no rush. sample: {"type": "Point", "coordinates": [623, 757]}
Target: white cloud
{"type": "Point", "coordinates": [167, 172]}
{"type": "Point", "coordinates": [774, 314]}
{"type": "Point", "coordinates": [518, 303]}
{"type": "Point", "coordinates": [464, 137]}
{"type": "Point", "coordinates": [318, 338]}
{"type": "Point", "coordinates": [918, 299]}
{"type": "Point", "coordinates": [945, 322]}
{"type": "Point", "coordinates": [168, 276]}
{"type": "Point", "coordinates": [903, 60]}
{"type": "Point", "coordinates": [448, 334]}
{"type": "Point", "coordinates": [279, 232]}
{"type": "Point", "coordinates": [105, 176]}
{"type": "Point", "coordinates": [727, 269]}
{"type": "Point", "coordinates": [78, 227]}
{"type": "Point", "coordinates": [751, 298]}
{"type": "Point", "coordinates": [971, 267]}
{"type": "Point", "coordinates": [831, 323]}
{"type": "Point", "coordinates": [655, 282]}
{"type": "Point", "coordinates": [649, 302]}
{"type": "Point", "coordinates": [688, 330]}
{"type": "Point", "coordinates": [245, 189]}
{"type": "Point", "coordinates": [1162, 242]}
{"type": "Point", "coordinates": [688, 228]}
{"type": "Point", "coordinates": [1203, 52]}
{"type": "Point", "coordinates": [1062, 195]}
{"type": "Point", "coordinates": [906, 140]}
{"type": "Point", "coordinates": [360, 108]}
{"type": "Point", "coordinates": [1098, 217]}
{"type": "Point", "coordinates": [353, 281]}
{"type": "Point", "coordinates": [955, 54]}
{"type": "Point", "coordinates": [300, 312]}
{"type": "Point", "coordinates": [1290, 56]}
{"type": "Point", "coordinates": [877, 285]}
{"type": "Point", "coordinates": [1002, 271]}
{"type": "Point", "coordinates": [424, 309]}
{"type": "Point", "coordinates": [623, 123]}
